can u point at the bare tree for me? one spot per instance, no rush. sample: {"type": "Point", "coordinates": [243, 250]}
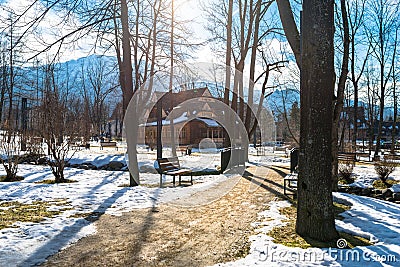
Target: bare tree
{"type": "Point", "coordinates": [372, 84]}
{"type": "Point", "coordinates": [10, 147]}
{"type": "Point", "coordinates": [57, 125]}
{"type": "Point", "coordinates": [228, 53]}
{"type": "Point", "coordinates": [101, 77]}
{"type": "Point", "coordinates": [395, 96]}
{"type": "Point", "coordinates": [338, 105]}
{"type": "Point", "coordinates": [356, 23]}
{"type": "Point", "coordinates": [383, 18]}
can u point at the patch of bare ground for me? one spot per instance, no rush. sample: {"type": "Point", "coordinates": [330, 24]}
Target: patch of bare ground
{"type": "Point", "coordinates": [174, 235]}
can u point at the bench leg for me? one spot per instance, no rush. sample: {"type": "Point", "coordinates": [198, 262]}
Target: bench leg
{"type": "Point", "coordinates": [160, 180]}
{"type": "Point", "coordinates": [284, 187]}
{"type": "Point", "coordinates": [180, 179]}
{"type": "Point", "coordinates": [191, 179]}
{"type": "Point", "coordinates": [173, 179]}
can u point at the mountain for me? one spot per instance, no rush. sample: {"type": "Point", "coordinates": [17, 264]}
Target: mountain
{"type": "Point", "coordinates": [75, 76]}
{"type": "Point", "coordinates": [71, 77]}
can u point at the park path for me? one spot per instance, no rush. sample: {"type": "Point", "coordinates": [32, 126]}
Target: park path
{"type": "Point", "coordinates": [213, 228]}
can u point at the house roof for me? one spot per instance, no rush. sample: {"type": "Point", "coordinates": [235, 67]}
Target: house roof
{"type": "Point", "coordinates": [169, 101]}
{"type": "Point", "coordinates": [184, 119]}
{"type": "Point", "coordinates": [209, 122]}
{"type": "Point", "coordinates": [182, 96]}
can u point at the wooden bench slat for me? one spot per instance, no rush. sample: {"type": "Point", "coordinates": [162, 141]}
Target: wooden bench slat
{"type": "Point", "coordinates": [177, 172]}
{"type": "Point", "coordinates": [108, 144]}
{"type": "Point", "coordinates": [352, 157]}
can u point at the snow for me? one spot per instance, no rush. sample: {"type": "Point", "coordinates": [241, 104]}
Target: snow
{"type": "Point", "coordinates": [376, 220]}
{"type": "Point", "coordinates": [180, 119]}
{"type": "Point", "coordinates": [209, 122]}
{"type": "Point", "coordinates": [95, 191]}
{"type": "Point", "coordinates": [366, 175]}
{"type": "Point", "coordinates": [395, 188]}
{"type": "Point", "coordinates": [98, 192]}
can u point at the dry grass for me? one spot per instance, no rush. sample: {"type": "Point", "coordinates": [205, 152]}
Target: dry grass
{"type": "Point", "coordinates": [52, 181]}
{"type": "Point", "coordinates": [379, 184]}
{"type": "Point", "coordinates": [14, 211]}
{"type": "Point", "coordinates": [16, 179]}
{"type": "Point", "coordinates": [286, 235]}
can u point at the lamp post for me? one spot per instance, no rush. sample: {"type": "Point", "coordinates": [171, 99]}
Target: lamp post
{"type": "Point", "coordinates": [159, 128]}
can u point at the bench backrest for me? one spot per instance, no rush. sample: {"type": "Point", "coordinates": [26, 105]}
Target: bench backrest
{"type": "Point", "coordinates": [108, 143]}
{"type": "Point", "coordinates": [347, 156]}
{"type": "Point", "coordinates": [391, 157]}
{"type": "Point", "coordinates": [168, 164]}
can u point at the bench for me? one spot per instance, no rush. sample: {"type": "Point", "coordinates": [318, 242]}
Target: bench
{"type": "Point", "coordinates": [363, 155]}
{"type": "Point", "coordinates": [171, 166]}
{"type": "Point", "coordinates": [182, 149]}
{"type": "Point", "coordinates": [260, 150]}
{"type": "Point", "coordinates": [290, 184]}
{"type": "Point", "coordinates": [286, 149]}
{"type": "Point", "coordinates": [347, 157]}
{"type": "Point", "coordinates": [290, 181]}
{"type": "Point", "coordinates": [391, 157]}
{"type": "Point", "coordinates": [108, 144]}
{"type": "Point", "coordinates": [79, 146]}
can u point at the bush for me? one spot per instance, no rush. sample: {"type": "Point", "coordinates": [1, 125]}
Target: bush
{"type": "Point", "coordinates": [345, 170]}
{"type": "Point", "coordinates": [384, 168]}
{"type": "Point", "coordinates": [378, 184]}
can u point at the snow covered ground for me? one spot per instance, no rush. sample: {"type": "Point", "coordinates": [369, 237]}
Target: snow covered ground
{"type": "Point", "coordinates": [94, 191]}
{"type": "Point", "coordinates": [373, 219]}
{"type": "Point", "coordinates": [376, 220]}
{"type": "Point", "coordinates": [365, 175]}
{"type": "Point", "coordinates": [99, 191]}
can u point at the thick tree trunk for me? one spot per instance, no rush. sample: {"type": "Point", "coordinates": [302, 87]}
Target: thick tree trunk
{"type": "Point", "coordinates": [315, 218]}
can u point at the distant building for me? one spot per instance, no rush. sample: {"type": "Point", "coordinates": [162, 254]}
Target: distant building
{"type": "Point", "coordinates": [346, 124]}
{"type": "Point", "coordinates": [364, 129]}
{"type": "Point", "coordinates": [189, 128]}
{"type": "Point", "coordinates": [387, 129]}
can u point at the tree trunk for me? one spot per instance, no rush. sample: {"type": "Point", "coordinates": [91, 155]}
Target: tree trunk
{"type": "Point", "coordinates": [126, 78]}
{"type": "Point", "coordinates": [290, 28]}
{"type": "Point", "coordinates": [228, 60]}
{"type": "Point", "coordinates": [252, 68]}
{"type": "Point", "coordinates": [171, 79]}
{"type": "Point", "coordinates": [315, 218]}
{"type": "Point", "coordinates": [394, 77]}
{"type": "Point", "coordinates": [338, 107]}
{"type": "Point", "coordinates": [228, 54]}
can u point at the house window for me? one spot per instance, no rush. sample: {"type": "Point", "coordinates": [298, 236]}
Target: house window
{"type": "Point", "coordinates": [183, 132]}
